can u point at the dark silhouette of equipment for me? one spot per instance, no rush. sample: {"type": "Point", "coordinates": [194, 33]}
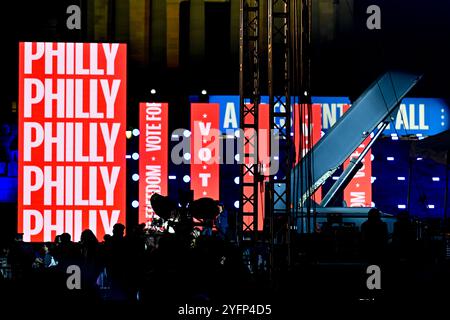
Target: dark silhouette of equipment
{"type": "Point", "coordinates": [204, 208]}
{"type": "Point", "coordinates": [163, 206]}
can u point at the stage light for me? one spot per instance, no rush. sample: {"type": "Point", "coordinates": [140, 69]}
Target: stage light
{"type": "Point", "coordinates": [401, 206]}
{"type": "Point", "coordinates": [236, 180]}
{"type": "Point", "coordinates": [128, 134]}
{"type": "Point", "coordinates": [419, 159]}
{"type": "Point", "coordinates": [187, 156]}
{"type": "Point", "coordinates": [372, 179]}
{"type": "Point", "coordinates": [186, 178]}
{"type": "Point", "coordinates": [135, 156]}
{"type": "Point", "coordinates": [372, 204]}
{"type": "Point", "coordinates": [237, 157]}
{"type": "Point", "coordinates": [135, 204]}
{"type": "Point", "coordinates": [305, 93]}
{"type": "Point", "coordinates": [236, 204]}
{"type": "Point", "coordinates": [435, 179]}
{"type": "Point", "coordinates": [276, 158]}
{"type": "Point", "coordinates": [237, 133]}
{"type": "Point", "coordinates": [419, 135]}
{"type": "Point", "coordinates": [153, 91]}
{"type": "Point", "coordinates": [275, 178]}
{"type": "Point", "coordinates": [186, 133]}
{"type": "Point", "coordinates": [401, 178]}
{"type": "Point", "coordinates": [390, 158]}
{"type": "Point", "coordinates": [430, 206]}
{"type": "Point", "coordinates": [135, 177]}
{"type": "Point", "coordinates": [136, 132]}
{"type": "Point", "coordinates": [372, 157]}
{"type": "Point", "coordinates": [128, 156]}
{"type": "Point", "coordinates": [335, 178]}
{"type": "Point", "coordinates": [395, 138]}
{"type": "Point", "coordinates": [204, 92]}
{"type": "Point", "coordinates": [172, 177]}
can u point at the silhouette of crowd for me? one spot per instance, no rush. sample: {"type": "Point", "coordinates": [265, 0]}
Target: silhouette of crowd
{"type": "Point", "coordinates": [140, 267]}
{"type": "Point", "coordinates": [130, 266]}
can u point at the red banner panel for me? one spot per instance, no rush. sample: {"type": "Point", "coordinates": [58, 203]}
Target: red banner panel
{"type": "Point", "coordinates": [72, 118]}
{"type": "Point", "coordinates": [264, 135]}
{"type": "Point", "coordinates": [153, 156]}
{"type": "Point", "coordinates": [358, 192]}
{"type": "Point", "coordinates": [205, 147]}
{"type": "Point", "coordinates": [315, 124]}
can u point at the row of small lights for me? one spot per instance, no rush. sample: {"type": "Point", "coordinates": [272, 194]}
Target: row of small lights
{"type": "Point", "coordinates": [403, 206]}
{"type": "Point", "coordinates": [186, 179]}
{"type": "Point", "coordinates": [435, 179]}
{"type": "Point", "coordinates": [394, 136]}
{"type": "Point", "coordinates": [203, 92]}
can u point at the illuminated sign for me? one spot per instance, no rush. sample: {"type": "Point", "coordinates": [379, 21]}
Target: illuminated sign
{"type": "Point", "coordinates": [426, 116]}
{"type": "Point", "coordinates": [310, 124]}
{"type": "Point", "coordinates": [358, 192]}
{"type": "Point", "coordinates": [229, 112]}
{"type": "Point", "coordinates": [153, 156]}
{"type": "Point", "coordinates": [264, 135]}
{"type": "Point", "coordinates": [205, 150]}
{"type": "Point", "coordinates": [72, 117]}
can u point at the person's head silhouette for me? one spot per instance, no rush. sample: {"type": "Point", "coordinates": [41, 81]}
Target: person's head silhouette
{"type": "Point", "coordinates": [374, 215]}
{"type": "Point", "coordinates": [118, 230]}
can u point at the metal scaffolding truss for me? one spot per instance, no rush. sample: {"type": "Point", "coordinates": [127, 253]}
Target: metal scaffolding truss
{"type": "Point", "coordinates": [249, 87]}
{"type": "Point", "coordinates": [279, 87]}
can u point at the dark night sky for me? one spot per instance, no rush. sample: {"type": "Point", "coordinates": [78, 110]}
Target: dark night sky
{"type": "Point", "coordinates": [415, 36]}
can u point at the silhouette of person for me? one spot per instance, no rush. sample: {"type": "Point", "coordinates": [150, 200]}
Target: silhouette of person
{"type": "Point", "coordinates": [404, 235]}
{"type": "Point", "coordinates": [89, 248]}
{"type": "Point", "coordinates": [374, 235]}
{"type": "Point", "coordinates": [117, 262]}
{"type": "Point", "coordinates": [65, 251]}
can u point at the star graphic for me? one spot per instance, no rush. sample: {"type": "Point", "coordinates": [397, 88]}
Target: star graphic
{"type": "Point", "coordinates": [205, 116]}
{"type": "Point", "coordinates": [357, 185]}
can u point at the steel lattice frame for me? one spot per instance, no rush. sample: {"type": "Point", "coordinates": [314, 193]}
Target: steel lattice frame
{"type": "Point", "coordinates": [249, 90]}
{"type": "Point", "coordinates": [280, 120]}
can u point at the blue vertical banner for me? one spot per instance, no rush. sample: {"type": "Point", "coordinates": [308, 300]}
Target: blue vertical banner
{"type": "Point", "coordinates": [425, 116]}
{"type": "Point", "coordinates": [229, 112]}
